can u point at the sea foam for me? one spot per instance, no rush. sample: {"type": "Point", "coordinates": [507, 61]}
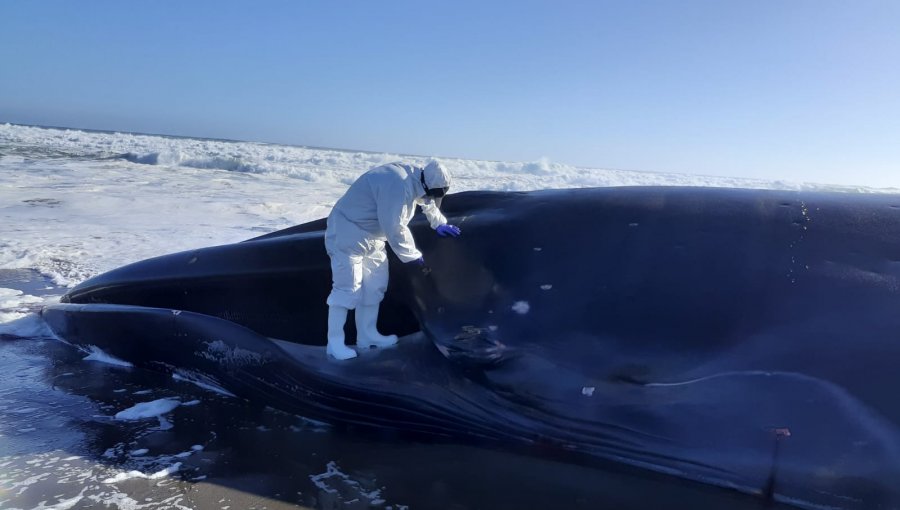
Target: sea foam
{"type": "Point", "coordinates": [79, 203]}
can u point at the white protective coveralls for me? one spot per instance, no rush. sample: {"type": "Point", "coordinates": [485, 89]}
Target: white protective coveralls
{"type": "Point", "coordinates": [374, 210]}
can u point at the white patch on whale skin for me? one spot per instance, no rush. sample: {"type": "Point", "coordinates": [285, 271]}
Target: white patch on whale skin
{"type": "Point", "coordinates": [521, 307]}
{"type": "Point", "coordinates": [204, 381]}
{"type": "Point", "coordinates": [221, 352]}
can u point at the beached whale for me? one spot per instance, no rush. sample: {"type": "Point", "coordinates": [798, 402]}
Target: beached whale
{"type": "Point", "coordinates": [741, 338]}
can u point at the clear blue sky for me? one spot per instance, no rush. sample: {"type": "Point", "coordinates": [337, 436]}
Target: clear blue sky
{"type": "Point", "coordinates": [787, 89]}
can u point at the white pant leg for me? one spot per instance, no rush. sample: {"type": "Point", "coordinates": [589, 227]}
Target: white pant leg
{"type": "Point", "coordinates": [347, 280]}
{"type": "Point", "coordinates": [374, 274]}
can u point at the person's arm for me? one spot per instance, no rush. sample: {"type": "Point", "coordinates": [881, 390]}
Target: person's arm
{"type": "Point", "coordinates": [437, 220]}
{"type": "Point", "coordinates": [434, 215]}
{"type": "Point", "coordinates": [391, 210]}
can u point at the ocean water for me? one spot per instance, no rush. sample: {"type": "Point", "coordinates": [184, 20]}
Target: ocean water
{"type": "Point", "coordinates": [80, 430]}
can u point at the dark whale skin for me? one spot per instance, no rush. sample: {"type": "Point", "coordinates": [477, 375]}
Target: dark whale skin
{"type": "Point", "coordinates": [747, 339]}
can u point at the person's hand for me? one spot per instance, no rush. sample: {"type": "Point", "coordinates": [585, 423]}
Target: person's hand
{"type": "Point", "coordinates": [448, 230]}
{"type": "Point", "coordinates": [419, 263]}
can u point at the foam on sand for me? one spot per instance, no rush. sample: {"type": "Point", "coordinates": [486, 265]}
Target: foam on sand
{"type": "Point", "coordinates": [28, 325]}
{"type": "Point", "coordinates": [162, 473]}
{"type": "Point", "coordinates": [148, 409]}
{"type": "Point", "coordinates": [97, 354]}
{"type": "Point", "coordinates": [15, 304]}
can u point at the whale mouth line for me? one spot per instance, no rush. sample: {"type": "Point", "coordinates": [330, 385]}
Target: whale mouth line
{"type": "Point", "coordinates": [736, 373]}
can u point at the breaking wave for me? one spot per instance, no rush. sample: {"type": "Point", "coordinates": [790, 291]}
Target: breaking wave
{"type": "Point", "coordinates": [231, 164]}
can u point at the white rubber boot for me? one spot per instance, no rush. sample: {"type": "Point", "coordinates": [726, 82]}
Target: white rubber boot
{"type": "Point", "coordinates": [367, 334]}
{"type": "Point", "coordinates": [337, 316]}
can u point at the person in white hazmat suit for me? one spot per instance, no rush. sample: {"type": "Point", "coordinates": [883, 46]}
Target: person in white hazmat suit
{"type": "Point", "coordinates": [376, 209]}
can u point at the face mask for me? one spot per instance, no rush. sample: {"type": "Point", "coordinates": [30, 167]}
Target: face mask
{"type": "Point", "coordinates": [433, 192]}
{"type": "Point", "coordinates": [436, 192]}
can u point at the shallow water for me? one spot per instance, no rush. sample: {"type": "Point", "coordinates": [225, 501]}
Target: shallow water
{"type": "Point", "coordinates": [62, 448]}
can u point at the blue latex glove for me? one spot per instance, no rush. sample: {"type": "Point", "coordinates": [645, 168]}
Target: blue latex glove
{"type": "Point", "coordinates": [448, 230]}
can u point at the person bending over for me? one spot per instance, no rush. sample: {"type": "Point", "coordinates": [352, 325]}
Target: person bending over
{"type": "Point", "coordinates": [376, 209]}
